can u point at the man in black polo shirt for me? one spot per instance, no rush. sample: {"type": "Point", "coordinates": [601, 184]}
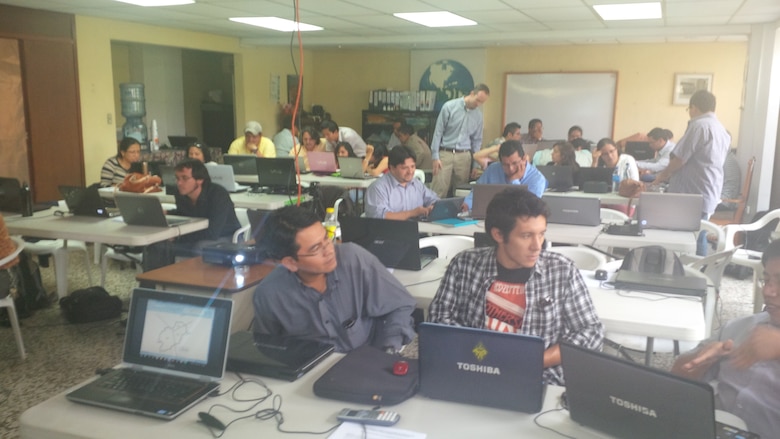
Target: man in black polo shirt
{"type": "Point", "coordinates": [199, 198]}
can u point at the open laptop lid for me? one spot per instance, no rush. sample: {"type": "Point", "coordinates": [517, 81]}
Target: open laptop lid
{"type": "Point", "coordinates": [242, 164]}
{"type": "Point", "coordinates": [446, 208]}
{"type": "Point", "coordinates": [144, 210]}
{"type": "Point", "coordinates": [670, 211]}
{"type": "Point", "coordinates": [168, 176]}
{"type": "Point", "coordinates": [395, 243]}
{"type": "Point", "coordinates": [351, 167]}
{"type": "Point", "coordinates": [322, 162]}
{"type": "Point", "coordinates": [640, 150]}
{"type": "Point", "coordinates": [182, 142]}
{"type": "Point", "coordinates": [629, 400]}
{"type": "Point", "coordinates": [573, 210]}
{"type": "Point", "coordinates": [558, 177]}
{"type": "Point", "coordinates": [276, 172]}
{"type": "Point", "coordinates": [275, 356]}
{"type": "Point", "coordinates": [223, 176]}
{"type": "Point", "coordinates": [179, 333]}
{"type": "Point", "coordinates": [595, 175]}
{"type": "Point", "coordinates": [483, 194]}
{"type": "Point", "coordinates": [85, 201]}
{"type": "Point", "coordinates": [481, 367]}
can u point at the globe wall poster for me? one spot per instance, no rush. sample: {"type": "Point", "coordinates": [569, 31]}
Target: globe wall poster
{"type": "Point", "coordinates": [450, 73]}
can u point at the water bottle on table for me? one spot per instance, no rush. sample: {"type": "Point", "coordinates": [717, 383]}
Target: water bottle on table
{"type": "Point", "coordinates": [332, 225]}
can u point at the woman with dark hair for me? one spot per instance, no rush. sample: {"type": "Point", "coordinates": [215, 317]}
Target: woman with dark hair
{"type": "Point", "coordinates": [199, 152]}
{"type": "Point", "coordinates": [563, 154]}
{"type": "Point", "coordinates": [607, 155]}
{"type": "Point", "coordinates": [311, 140]}
{"type": "Point", "coordinates": [343, 149]}
{"type": "Point", "coordinates": [376, 163]}
{"type": "Point", "coordinates": [116, 168]}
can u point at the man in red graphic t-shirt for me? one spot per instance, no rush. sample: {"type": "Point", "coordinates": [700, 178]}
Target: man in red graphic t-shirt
{"type": "Point", "coordinates": [516, 286]}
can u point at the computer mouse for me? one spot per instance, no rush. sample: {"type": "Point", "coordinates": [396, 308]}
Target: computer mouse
{"type": "Point", "coordinates": [601, 274]}
{"type": "Point", "coordinates": [211, 421]}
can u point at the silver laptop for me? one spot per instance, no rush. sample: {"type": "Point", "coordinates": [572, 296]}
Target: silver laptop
{"type": "Point", "coordinates": [352, 167]}
{"type": "Point", "coordinates": [174, 355]}
{"type": "Point", "coordinates": [483, 194]}
{"type": "Point", "coordinates": [628, 400]}
{"type": "Point", "coordinates": [145, 210]}
{"type": "Point", "coordinates": [481, 367]}
{"type": "Point", "coordinates": [322, 162]}
{"type": "Point", "coordinates": [578, 211]}
{"type": "Point", "coordinates": [223, 176]}
{"type": "Point", "coordinates": [670, 211]}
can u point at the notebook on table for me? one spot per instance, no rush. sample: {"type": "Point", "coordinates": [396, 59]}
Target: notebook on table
{"type": "Point", "coordinates": [660, 283]}
{"type": "Point", "coordinates": [559, 178]}
{"type": "Point", "coordinates": [322, 162]}
{"type": "Point", "coordinates": [666, 211]}
{"type": "Point", "coordinates": [87, 201]}
{"type": "Point", "coordinates": [352, 167]}
{"type": "Point", "coordinates": [174, 355]}
{"type": "Point", "coordinates": [223, 176]}
{"type": "Point", "coordinates": [629, 400]}
{"type": "Point", "coordinates": [573, 210]}
{"type": "Point", "coordinates": [395, 243]}
{"type": "Point", "coordinates": [145, 210]}
{"type": "Point", "coordinates": [482, 194]}
{"type": "Point", "coordinates": [242, 164]}
{"type": "Point", "coordinates": [481, 367]}
{"type": "Point", "coordinates": [275, 356]}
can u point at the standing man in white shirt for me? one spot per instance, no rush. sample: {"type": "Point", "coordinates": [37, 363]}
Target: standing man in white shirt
{"type": "Point", "coordinates": [457, 137]}
{"type": "Point", "coordinates": [335, 134]}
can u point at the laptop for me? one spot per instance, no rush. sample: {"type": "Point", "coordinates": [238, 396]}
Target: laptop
{"type": "Point", "coordinates": [86, 201]}
{"type": "Point", "coordinates": [275, 356]}
{"type": "Point", "coordinates": [223, 176]}
{"type": "Point", "coordinates": [529, 150]}
{"type": "Point", "coordinates": [573, 210]}
{"type": "Point", "coordinates": [172, 340]}
{"type": "Point", "coordinates": [352, 167]}
{"type": "Point", "coordinates": [670, 211]}
{"type": "Point", "coordinates": [182, 142]}
{"type": "Point", "coordinates": [322, 162]}
{"type": "Point", "coordinates": [660, 283]}
{"type": "Point", "coordinates": [559, 178]}
{"type": "Point", "coordinates": [481, 367]}
{"type": "Point", "coordinates": [640, 150]}
{"type": "Point", "coordinates": [594, 175]}
{"type": "Point", "coordinates": [483, 194]}
{"type": "Point", "coordinates": [629, 400]}
{"type": "Point", "coordinates": [277, 173]}
{"type": "Point", "coordinates": [446, 208]}
{"type": "Point", "coordinates": [145, 210]}
{"type": "Point", "coordinates": [168, 176]}
{"type": "Point", "coordinates": [242, 164]}
{"type": "Point", "coordinates": [395, 243]}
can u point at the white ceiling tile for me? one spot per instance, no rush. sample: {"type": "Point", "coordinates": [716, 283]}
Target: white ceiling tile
{"type": "Point", "coordinates": [561, 14]}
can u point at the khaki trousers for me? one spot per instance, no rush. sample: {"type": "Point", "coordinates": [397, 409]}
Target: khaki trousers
{"type": "Point", "coordinates": [455, 171]}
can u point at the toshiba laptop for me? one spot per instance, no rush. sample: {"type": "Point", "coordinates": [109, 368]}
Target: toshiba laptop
{"type": "Point", "coordinates": [559, 178]}
{"type": "Point", "coordinates": [629, 400]}
{"type": "Point", "coordinates": [481, 367]}
{"type": "Point", "coordinates": [395, 243]}
{"type": "Point", "coordinates": [174, 355]}
{"type": "Point", "coordinates": [278, 174]}
{"type": "Point", "coordinates": [275, 356]}
{"type": "Point", "coordinates": [242, 164]}
{"type": "Point", "coordinates": [573, 210]}
{"type": "Point", "coordinates": [145, 210]}
{"type": "Point", "coordinates": [322, 162]}
{"type": "Point", "coordinates": [482, 194]}
{"type": "Point", "coordinates": [640, 150]}
{"type": "Point", "coordinates": [660, 283]}
{"type": "Point", "coordinates": [223, 176]}
{"type": "Point", "coordinates": [670, 211]}
{"type": "Point", "coordinates": [446, 208]}
{"type": "Point", "coordinates": [86, 201]}
{"type": "Point", "coordinates": [352, 167]}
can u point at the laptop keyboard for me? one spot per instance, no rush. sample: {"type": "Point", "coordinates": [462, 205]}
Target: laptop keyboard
{"type": "Point", "coordinates": [151, 384]}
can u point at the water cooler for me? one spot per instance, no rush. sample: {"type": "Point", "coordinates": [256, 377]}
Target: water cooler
{"type": "Point", "coordinates": [134, 110]}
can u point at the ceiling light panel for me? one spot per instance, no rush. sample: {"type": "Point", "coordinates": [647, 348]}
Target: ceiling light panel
{"type": "Point", "coordinates": [435, 19]}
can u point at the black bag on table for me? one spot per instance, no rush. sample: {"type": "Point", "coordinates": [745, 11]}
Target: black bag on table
{"type": "Point", "coordinates": [90, 305]}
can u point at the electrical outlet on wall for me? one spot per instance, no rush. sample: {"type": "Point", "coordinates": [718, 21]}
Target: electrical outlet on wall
{"type": "Point", "coordinates": [109, 118]}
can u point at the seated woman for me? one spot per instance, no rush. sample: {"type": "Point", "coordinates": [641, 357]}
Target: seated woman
{"type": "Point", "coordinates": [201, 153]}
{"type": "Point", "coordinates": [344, 149]}
{"type": "Point", "coordinates": [563, 154]}
{"type": "Point", "coordinates": [607, 155]}
{"type": "Point", "coordinates": [312, 141]}
{"type": "Point", "coordinates": [116, 168]}
{"type": "Point", "coordinates": [376, 163]}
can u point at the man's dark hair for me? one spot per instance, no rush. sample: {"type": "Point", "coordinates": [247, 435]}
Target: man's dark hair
{"type": "Point", "coordinates": [406, 129]}
{"type": "Point", "coordinates": [510, 128]}
{"type": "Point", "coordinates": [659, 133]}
{"type": "Point", "coordinates": [277, 235]}
{"type": "Point", "coordinates": [481, 87]}
{"type": "Point", "coordinates": [329, 125]}
{"type": "Point", "coordinates": [199, 171]}
{"type": "Point", "coordinates": [771, 252]}
{"type": "Point", "coordinates": [510, 147]}
{"type": "Point", "coordinates": [532, 123]}
{"type": "Point", "coordinates": [399, 154]}
{"type": "Point", "coordinates": [575, 128]}
{"type": "Point", "coordinates": [703, 100]}
{"type": "Point", "coordinates": [580, 143]}
{"type": "Point", "coordinates": [509, 205]}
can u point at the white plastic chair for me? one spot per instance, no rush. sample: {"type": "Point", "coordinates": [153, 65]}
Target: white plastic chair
{"type": "Point", "coordinates": [584, 258]}
{"type": "Point", "coordinates": [8, 301]}
{"type": "Point", "coordinates": [447, 246]}
{"type": "Point", "coordinates": [59, 250]}
{"type": "Point", "coordinates": [749, 258]}
{"type": "Point", "coordinates": [420, 175]}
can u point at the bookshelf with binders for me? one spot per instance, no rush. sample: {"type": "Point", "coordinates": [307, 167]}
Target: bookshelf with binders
{"type": "Point", "coordinates": [378, 125]}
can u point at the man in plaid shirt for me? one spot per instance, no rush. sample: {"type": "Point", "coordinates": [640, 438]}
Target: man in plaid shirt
{"type": "Point", "coordinates": [516, 286]}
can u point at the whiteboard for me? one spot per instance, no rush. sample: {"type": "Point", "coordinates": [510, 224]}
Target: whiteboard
{"type": "Point", "coordinates": [561, 100]}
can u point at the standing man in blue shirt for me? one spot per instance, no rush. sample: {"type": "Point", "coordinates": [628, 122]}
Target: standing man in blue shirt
{"type": "Point", "coordinates": [458, 135]}
{"type": "Point", "coordinates": [512, 168]}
